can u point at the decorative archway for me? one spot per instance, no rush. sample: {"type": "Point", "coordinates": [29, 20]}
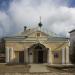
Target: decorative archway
{"type": "Point", "coordinates": [39, 53]}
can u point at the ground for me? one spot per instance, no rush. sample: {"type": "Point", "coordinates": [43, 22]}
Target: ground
{"type": "Point", "coordinates": [35, 69]}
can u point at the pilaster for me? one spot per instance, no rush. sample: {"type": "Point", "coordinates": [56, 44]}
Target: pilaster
{"type": "Point", "coordinates": [7, 55]}
{"type": "Point", "coordinates": [67, 55]}
{"type": "Point", "coordinates": [50, 56]}
{"type": "Point", "coordinates": [63, 55]}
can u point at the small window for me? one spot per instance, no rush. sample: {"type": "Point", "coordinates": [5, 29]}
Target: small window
{"type": "Point", "coordinates": [56, 55]}
{"type": "Point", "coordinates": [38, 34]}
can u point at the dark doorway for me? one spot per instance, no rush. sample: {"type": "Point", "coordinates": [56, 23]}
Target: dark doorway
{"type": "Point", "coordinates": [39, 53]}
{"type": "Point", "coordinates": [21, 56]}
{"type": "Point", "coordinates": [40, 56]}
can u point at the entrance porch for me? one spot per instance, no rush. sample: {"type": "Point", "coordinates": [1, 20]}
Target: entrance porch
{"type": "Point", "coordinates": [38, 53]}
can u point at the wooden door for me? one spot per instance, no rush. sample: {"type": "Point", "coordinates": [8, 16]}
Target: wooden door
{"type": "Point", "coordinates": [21, 56]}
{"type": "Point", "coordinates": [40, 56]}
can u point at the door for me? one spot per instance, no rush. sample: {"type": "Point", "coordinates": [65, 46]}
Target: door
{"type": "Point", "coordinates": [40, 56]}
{"type": "Point", "coordinates": [21, 56]}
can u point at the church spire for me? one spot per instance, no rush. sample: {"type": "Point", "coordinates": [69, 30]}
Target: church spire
{"type": "Point", "coordinates": [40, 24]}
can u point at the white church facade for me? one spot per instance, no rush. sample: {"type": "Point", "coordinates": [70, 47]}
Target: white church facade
{"type": "Point", "coordinates": [36, 46]}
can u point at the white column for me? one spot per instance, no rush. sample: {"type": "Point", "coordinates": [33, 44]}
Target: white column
{"type": "Point", "coordinates": [67, 55]}
{"type": "Point", "coordinates": [63, 55]}
{"type": "Point", "coordinates": [30, 56]}
{"type": "Point", "coordinates": [11, 55]}
{"type": "Point", "coordinates": [7, 55]}
{"type": "Point", "coordinates": [26, 54]}
{"type": "Point", "coordinates": [49, 56]}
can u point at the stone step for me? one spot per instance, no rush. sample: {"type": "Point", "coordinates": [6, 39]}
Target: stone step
{"type": "Point", "coordinates": [38, 68]}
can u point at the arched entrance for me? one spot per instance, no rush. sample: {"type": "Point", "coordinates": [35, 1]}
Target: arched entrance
{"type": "Point", "coordinates": [39, 53]}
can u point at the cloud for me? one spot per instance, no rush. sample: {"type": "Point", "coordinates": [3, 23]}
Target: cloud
{"type": "Point", "coordinates": [4, 23]}
{"type": "Point", "coordinates": [56, 16]}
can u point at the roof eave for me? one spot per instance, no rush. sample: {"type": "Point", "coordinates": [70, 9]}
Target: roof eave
{"type": "Point", "coordinates": [72, 31]}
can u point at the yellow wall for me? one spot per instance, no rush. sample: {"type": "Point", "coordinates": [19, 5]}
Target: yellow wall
{"type": "Point", "coordinates": [16, 56]}
{"type": "Point", "coordinates": [57, 46]}
{"type": "Point", "coordinates": [57, 60]}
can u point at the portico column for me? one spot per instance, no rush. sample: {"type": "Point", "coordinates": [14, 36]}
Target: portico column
{"type": "Point", "coordinates": [7, 55]}
{"type": "Point", "coordinates": [67, 55]}
{"type": "Point", "coordinates": [49, 56]}
{"type": "Point", "coordinates": [11, 55]}
{"type": "Point", "coordinates": [63, 55]}
{"type": "Point", "coordinates": [26, 54]}
{"type": "Point", "coordinates": [30, 56]}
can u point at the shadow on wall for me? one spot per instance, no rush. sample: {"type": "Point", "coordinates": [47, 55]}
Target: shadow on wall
{"type": "Point", "coordinates": [72, 53]}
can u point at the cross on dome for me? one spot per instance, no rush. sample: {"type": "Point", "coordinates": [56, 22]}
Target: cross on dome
{"type": "Point", "coordinates": [40, 24]}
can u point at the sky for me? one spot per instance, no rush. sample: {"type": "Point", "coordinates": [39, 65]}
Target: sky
{"type": "Point", "coordinates": [57, 16]}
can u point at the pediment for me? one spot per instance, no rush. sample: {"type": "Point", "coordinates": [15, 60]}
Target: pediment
{"type": "Point", "coordinates": [33, 33]}
{"type": "Point", "coordinates": [38, 34]}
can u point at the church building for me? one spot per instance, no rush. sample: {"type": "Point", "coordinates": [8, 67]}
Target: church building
{"type": "Point", "coordinates": [34, 46]}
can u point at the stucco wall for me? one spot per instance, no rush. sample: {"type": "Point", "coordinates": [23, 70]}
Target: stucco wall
{"type": "Point", "coordinates": [24, 44]}
{"type": "Point", "coordinates": [54, 46]}
{"type": "Point", "coordinates": [16, 57]}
